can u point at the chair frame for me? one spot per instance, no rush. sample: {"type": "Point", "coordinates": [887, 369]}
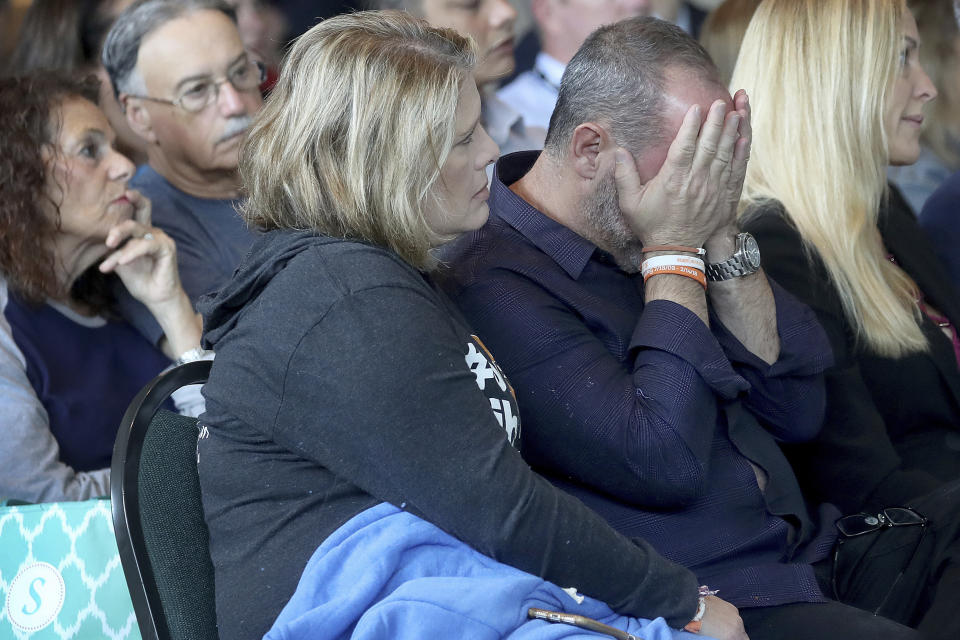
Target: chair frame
{"type": "Point", "coordinates": [124, 496]}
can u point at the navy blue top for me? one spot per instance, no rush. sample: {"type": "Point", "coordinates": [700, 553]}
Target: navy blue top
{"type": "Point", "coordinates": [940, 218]}
{"type": "Point", "coordinates": [642, 411]}
{"type": "Point", "coordinates": [85, 374]}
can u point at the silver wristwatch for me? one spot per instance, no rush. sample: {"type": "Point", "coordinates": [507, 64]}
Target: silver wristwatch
{"type": "Point", "coordinates": [745, 260]}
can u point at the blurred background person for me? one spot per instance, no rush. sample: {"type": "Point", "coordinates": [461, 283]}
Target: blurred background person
{"type": "Point", "coordinates": [491, 24]}
{"type": "Point", "coordinates": [562, 26]}
{"type": "Point", "coordinates": [940, 218]}
{"type": "Point", "coordinates": [687, 15]}
{"type": "Point", "coordinates": [940, 137]}
{"type": "Point", "coordinates": [69, 226]}
{"type": "Point", "coordinates": [11, 15]}
{"type": "Point", "coordinates": [300, 15]}
{"type": "Point", "coordinates": [722, 33]}
{"type": "Point", "coordinates": [68, 35]}
{"type": "Point", "coordinates": [937, 22]}
{"type": "Point", "coordinates": [263, 28]}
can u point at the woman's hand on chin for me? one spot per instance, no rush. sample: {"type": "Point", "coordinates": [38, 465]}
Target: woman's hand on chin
{"type": "Point", "coordinates": [143, 256]}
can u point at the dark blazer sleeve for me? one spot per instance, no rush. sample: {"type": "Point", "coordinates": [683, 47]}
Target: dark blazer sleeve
{"type": "Point", "coordinates": [852, 463]}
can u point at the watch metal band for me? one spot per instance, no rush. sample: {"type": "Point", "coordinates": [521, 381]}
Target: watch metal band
{"type": "Point", "coordinates": [726, 270]}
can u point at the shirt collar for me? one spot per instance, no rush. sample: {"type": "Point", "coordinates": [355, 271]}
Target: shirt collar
{"type": "Point", "coordinates": [550, 68]}
{"type": "Point", "coordinates": [499, 119]}
{"type": "Point", "coordinates": [568, 249]}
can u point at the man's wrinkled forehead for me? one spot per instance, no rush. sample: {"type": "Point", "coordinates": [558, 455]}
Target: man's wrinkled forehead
{"type": "Point", "coordinates": [202, 43]}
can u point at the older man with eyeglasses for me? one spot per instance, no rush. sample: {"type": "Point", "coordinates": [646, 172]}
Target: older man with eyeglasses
{"type": "Point", "coordinates": [190, 89]}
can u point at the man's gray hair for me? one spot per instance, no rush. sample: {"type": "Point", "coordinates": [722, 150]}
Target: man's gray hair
{"type": "Point", "coordinates": [617, 79]}
{"type": "Point", "coordinates": [122, 46]}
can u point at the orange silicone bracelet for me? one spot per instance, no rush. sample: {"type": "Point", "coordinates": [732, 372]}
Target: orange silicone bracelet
{"type": "Point", "coordinates": [693, 274]}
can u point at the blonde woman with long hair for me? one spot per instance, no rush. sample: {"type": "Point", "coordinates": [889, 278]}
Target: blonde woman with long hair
{"type": "Point", "coordinates": [353, 419]}
{"type": "Point", "coordinates": [838, 94]}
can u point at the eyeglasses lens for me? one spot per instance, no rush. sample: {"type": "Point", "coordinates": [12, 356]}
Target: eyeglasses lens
{"type": "Point", "coordinates": [246, 78]}
{"type": "Point", "coordinates": [858, 524]}
{"type": "Point", "coordinates": [899, 516]}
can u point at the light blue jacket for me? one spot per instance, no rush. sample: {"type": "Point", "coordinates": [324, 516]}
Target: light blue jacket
{"type": "Point", "coordinates": [386, 574]}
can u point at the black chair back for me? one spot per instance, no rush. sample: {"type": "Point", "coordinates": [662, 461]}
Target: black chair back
{"type": "Point", "coordinates": [158, 516]}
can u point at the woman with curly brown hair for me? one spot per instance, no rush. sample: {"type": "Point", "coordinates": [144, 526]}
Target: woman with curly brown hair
{"type": "Point", "coordinates": [71, 235]}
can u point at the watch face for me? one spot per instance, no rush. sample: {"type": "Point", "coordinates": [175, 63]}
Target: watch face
{"type": "Point", "coordinates": [751, 251]}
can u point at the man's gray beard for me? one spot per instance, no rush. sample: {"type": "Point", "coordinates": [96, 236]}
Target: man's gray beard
{"type": "Point", "coordinates": [608, 228]}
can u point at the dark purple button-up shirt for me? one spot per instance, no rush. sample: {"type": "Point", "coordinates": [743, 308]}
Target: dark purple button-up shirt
{"type": "Point", "coordinates": [642, 411]}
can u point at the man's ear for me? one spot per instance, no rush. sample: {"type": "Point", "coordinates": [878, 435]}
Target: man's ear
{"type": "Point", "coordinates": [587, 142]}
{"type": "Point", "coordinates": [138, 117]}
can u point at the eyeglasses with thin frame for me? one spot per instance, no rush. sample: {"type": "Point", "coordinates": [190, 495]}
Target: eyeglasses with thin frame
{"type": "Point", "coordinates": [199, 94]}
{"type": "Point", "coordinates": [862, 523]}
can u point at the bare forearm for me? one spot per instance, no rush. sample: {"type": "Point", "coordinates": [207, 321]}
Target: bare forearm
{"type": "Point", "coordinates": [680, 289]}
{"type": "Point", "coordinates": [181, 325]}
{"type": "Point", "coordinates": [746, 307]}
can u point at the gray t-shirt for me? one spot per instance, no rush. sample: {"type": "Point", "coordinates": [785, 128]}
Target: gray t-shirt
{"type": "Point", "coordinates": [210, 235]}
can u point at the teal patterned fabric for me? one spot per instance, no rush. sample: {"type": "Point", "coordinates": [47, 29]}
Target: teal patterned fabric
{"type": "Point", "coordinates": [60, 574]}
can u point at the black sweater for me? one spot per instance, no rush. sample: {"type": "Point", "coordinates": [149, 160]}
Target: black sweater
{"type": "Point", "coordinates": [343, 378]}
{"type": "Point", "coordinates": [892, 427]}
